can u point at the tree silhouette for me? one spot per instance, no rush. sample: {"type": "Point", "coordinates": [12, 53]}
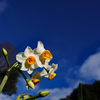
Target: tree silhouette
{"type": "Point", "coordinates": [10, 87]}
{"type": "Point", "coordinates": [90, 92]}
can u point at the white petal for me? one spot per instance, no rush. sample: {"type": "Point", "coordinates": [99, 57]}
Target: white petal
{"type": "Point", "coordinates": [51, 71]}
{"type": "Point", "coordinates": [23, 66]}
{"type": "Point", "coordinates": [54, 66]}
{"type": "Point", "coordinates": [35, 75]}
{"type": "Point", "coordinates": [30, 70]}
{"type": "Point", "coordinates": [46, 63]}
{"type": "Point", "coordinates": [40, 48]}
{"type": "Point", "coordinates": [20, 57]}
{"type": "Point", "coordinates": [28, 51]}
{"type": "Point", "coordinates": [47, 75]}
{"type": "Point", "coordinates": [43, 73]}
{"type": "Point", "coordinates": [48, 67]}
{"type": "Point", "coordinates": [34, 66]}
{"type": "Point", "coordinates": [39, 63]}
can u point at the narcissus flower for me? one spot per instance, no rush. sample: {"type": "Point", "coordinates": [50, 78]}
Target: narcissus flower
{"type": "Point", "coordinates": [48, 71]}
{"type": "Point", "coordinates": [34, 79]}
{"type": "Point", "coordinates": [29, 60]}
{"type": "Point", "coordinates": [44, 55]}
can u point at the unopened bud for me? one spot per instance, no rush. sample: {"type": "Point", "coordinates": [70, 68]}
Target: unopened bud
{"type": "Point", "coordinates": [4, 51]}
{"type": "Point", "coordinates": [26, 96]}
{"type": "Point", "coordinates": [44, 93]}
{"type": "Point", "coordinates": [30, 83]}
{"type": "Point", "coordinates": [22, 97]}
{"type": "Point", "coordinates": [18, 97]}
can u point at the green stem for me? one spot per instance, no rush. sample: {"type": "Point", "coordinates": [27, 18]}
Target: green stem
{"type": "Point", "coordinates": [14, 67]}
{"type": "Point", "coordinates": [30, 75]}
{"type": "Point", "coordinates": [19, 66]}
{"type": "Point", "coordinates": [7, 74]}
{"type": "Point", "coordinates": [6, 57]}
{"type": "Point", "coordinates": [40, 94]}
{"type": "Point", "coordinates": [4, 82]}
{"type": "Point", "coordinates": [23, 74]}
{"type": "Point", "coordinates": [46, 69]}
{"type": "Point", "coordinates": [33, 97]}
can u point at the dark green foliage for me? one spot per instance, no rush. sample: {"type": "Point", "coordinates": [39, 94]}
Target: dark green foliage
{"type": "Point", "coordinates": [90, 92]}
{"type": "Point", "coordinates": [80, 93]}
{"type": "Point", "coordinates": [10, 87]}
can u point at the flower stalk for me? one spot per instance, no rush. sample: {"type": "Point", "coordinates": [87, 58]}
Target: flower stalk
{"type": "Point", "coordinates": [6, 57]}
{"type": "Point", "coordinates": [23, 74]}
{"type": "Point", "coordinates": [28, 61]}
{"type": "Point", "coordinates": [46, 69]}
{"type": "Point", "coordinates": [40, 94]}
{"type": "Point", "coordinates": [4, 82]}
{"type": "Point", "coordinates": [14, 67]}
{"type": "Point", "coordinates": [29, 82]}
{"type": "Point", "coordinates": [7, 74]}
{"type": "Point", "coordinates": [5, 53]}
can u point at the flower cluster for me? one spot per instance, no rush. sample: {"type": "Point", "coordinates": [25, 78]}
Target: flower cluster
{"type": "Point", "coordinates": [38, 57]}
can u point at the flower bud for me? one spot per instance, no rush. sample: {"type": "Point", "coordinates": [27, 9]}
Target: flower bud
{"type": "Point", "coordinates": [22, 97]}
{"type": "Point", "coordinates": [44, 93]}
{"type": "Point", "coordinates": [4, 51]}
{"type": "Point", "coordinates": [18, 97]}
{"type": "Point", "coordinates": [30, 83]}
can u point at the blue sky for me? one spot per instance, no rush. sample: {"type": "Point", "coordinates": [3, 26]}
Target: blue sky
{"type": "Point", "coordinates": [69, 29]}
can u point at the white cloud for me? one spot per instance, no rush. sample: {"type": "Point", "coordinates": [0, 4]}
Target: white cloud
{"type": "Point", "coordinates": [3, 6]}
{"type": "Point", "coordinates": [89, 70]}
{"type": "Point", "coordinates": [57, 93]}
{"type": "Point", "coordinates": [91, 67]}
{"type": "Point", "coordinates": [5, 97]}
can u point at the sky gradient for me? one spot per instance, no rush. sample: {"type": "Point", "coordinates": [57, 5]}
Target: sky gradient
{"type": "Point", "coordinates": [69, 29]}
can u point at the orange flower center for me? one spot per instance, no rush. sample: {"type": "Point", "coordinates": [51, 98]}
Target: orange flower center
{"type": "Point", "coordinates": [52, 76]}
{"type": "Point", "coordinates": [31, 60]}
{"type": "Point", "coordinates": [46, 54]}
{"type": "Point", "coordinates": [36, 81]}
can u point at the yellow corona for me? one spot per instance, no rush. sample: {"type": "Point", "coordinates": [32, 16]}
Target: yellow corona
{"type": "Point", "coordinates": [52, 76]}
{"type": "Point", "coordinates": [46, 55]}
{"type": "Point", "coordinates": [36, 81]}
{"type": "Point", "coordinates": [31, 60]}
